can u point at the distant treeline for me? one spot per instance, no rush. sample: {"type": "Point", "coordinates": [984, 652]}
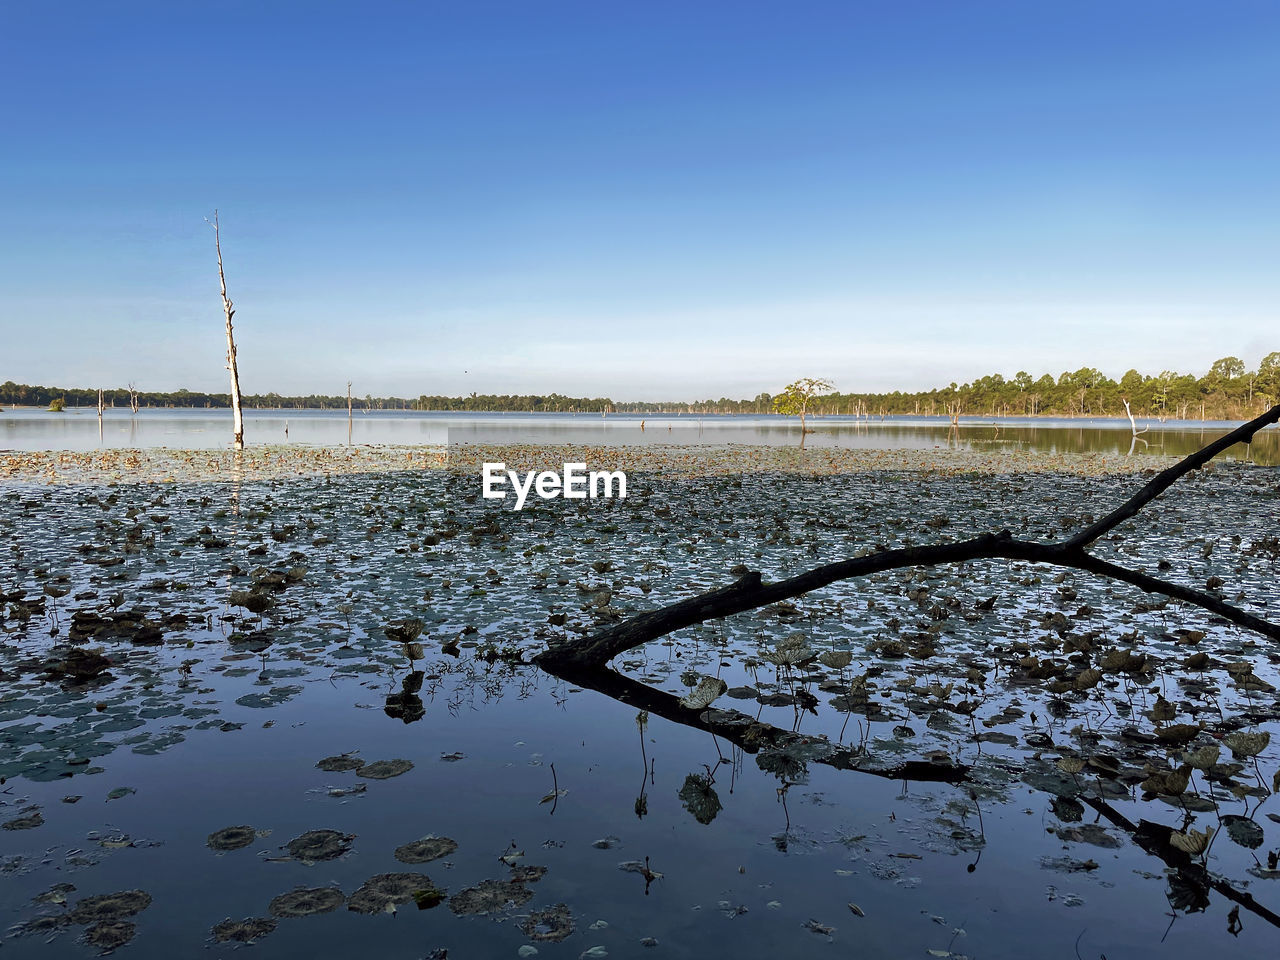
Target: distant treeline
{"type": "Point", "coordinates": [1229, 391]}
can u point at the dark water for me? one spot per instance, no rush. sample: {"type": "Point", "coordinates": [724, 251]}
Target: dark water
{"type": "Point", "coordinates": [77, 429]}
{"type": "Point", "coordinates": [762, 853]}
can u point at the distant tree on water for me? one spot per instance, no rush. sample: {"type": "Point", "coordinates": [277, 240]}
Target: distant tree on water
{"type": "Point", "coordinates": [798, 396]}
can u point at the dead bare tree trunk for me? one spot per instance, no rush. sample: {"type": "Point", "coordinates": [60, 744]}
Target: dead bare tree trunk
{"type": "Point", "coordinates": [237, 417]}
{"type": "Point", "coordinates": [133, 399]}
{"type": "Point", "coordinates": [348, 413]}
{"type": "Point", "coordinates": [750, 592]}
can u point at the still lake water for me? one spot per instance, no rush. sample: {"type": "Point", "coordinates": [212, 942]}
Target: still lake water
{"type": "Point", "coordinates": [78, 429]}
{"type": "Point", "coordinates": [213, 716]}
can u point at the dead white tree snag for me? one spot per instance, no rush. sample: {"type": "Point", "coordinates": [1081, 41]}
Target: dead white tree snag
{"type": "Point", "coordinates": [133, 400]}
{"type": "Point", "coordinates": [1133, 425]}
{"type": "Point", "coordinates": [348, 413]}
{"type": "Point", "coordinates": [750, 592]}
{"type": "Point", "coordinates": [237, 417]}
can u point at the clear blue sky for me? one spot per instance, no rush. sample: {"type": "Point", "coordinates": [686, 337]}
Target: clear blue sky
{"type": "Point", "coordinates": [639, 199]}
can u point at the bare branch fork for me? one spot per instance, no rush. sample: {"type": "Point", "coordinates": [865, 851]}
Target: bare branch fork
{"type": "Point", "coordinates": [750, 592]}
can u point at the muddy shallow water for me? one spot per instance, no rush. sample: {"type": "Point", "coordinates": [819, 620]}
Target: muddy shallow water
{"type": "Point", "coordinates": [252, 630]}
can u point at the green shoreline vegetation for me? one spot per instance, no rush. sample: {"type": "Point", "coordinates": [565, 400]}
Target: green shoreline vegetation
{"type": "Point", "coordinates": [1228, 391]}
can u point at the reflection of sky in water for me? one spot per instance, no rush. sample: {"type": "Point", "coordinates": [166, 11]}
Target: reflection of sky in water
{"type": "Point", "coordinates": [842, 845]}
{"type": "Point", "coordinates": [78, 429]}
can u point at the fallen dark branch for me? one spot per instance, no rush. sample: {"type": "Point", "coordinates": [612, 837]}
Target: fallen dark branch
{"type": "Point", "coordinates": [741, 730]}
{"type": "Point", "coordinates": [752, 736]}
{"type": "Point", "coordinates": [750, 592]}
{"type": "Point", "coordinates": [1154, 839]}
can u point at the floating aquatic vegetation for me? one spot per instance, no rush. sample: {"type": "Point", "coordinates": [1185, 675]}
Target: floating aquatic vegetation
{"type": "Point", "coordinates": [1089, 833]}
{"type": "Point", "coordinates": [387, 890]}
{"type": "Point", "coordinates": [702, 696]}
{"type": "Point", "coordinates": [548, 926]}
{"type": "Point", "coordinates": [919, 686]}
{"type": "Point", "coordinates": [306, 902]}
{"type": "Point", "coordinates": [1243, 831]}
{"type": "Point", "coordinates": [247, 930]}
{"type": "Point", "coordinates": [700, 798]}
{"type": "Point", "coordinates": [425, 850]}
{"type": "Point", "coordinates": [1192, 841]}
{"type": "Point", "coordinates": [527, 872]}
{"type": "Point", "coordinates": [272, 698]}
{"type": "Point", "coordinates": [315, 846]}
{"type": "Point", "coordinates": [108, 935]}
{"type": "Point", "coordinates": [28, 821]}
{"type": "Point", "coordinates": [110, 906]}
{"type": "Point", "coordinates": [339, 763]}
{"type": "Point", "coordinates": [55, 894]}
{"type": "Point", "coordinates": [1245, 745]}
{"type": "Point", "coordinates": [45, 925]}
{"type": "Point", "coordinates": [383, 769]}
{"type": "Point", "coordinates": [836, 659]}
{"type": "Point", "coordinates": [489, 896]}
{"type": "Point", "coordinates": [231, 838]}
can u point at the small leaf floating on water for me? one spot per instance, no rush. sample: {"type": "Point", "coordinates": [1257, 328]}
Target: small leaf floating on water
{"type": "Point", "coordinates": [384, 769]}
{"type": "Point", "coordinates": [425, 850]}
{"type": "Point", "coordinates": [306, 902]}
{"type": "Point", "coordinates": [315, 846]}
{"type": "Point", "coordinates": [822, 929]}
{"type": "Point", "coordinates": [856, 910]}
{"type": "Point", "coordinates": [231, 838]}
{"type": "Point", "coordinates": [384, 892]}
{"type": "Point", "coordinates": [109, 935]}
{"type": "Point", "coordinates": [489, 896]}
{"type": "Point", "coordinates": [1243, 832]}
{"type": "Point", "coordinates": [247, 930]}
{"type": "Point", "coordinates": [109, 906]}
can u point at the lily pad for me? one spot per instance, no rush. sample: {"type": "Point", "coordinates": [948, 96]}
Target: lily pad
{"type": "Point", "coordinates": [490, 896]}
{"type": "Point", "coordinates": [242, 931]}
{"type": "Point", "coordinates": [548, 926]}
{"type": "Point", "coordinates": [1243, 831]}
{"type": "Point", "coordinates": [700, 798]}
{"type": "Point", "coordinates": [28, 821]}
{"type": "Point", "coordinates": [383, 769]}
{"type": "Point", "coordinates": [107, 935]}
{"type": "Point", "coordinates": [424, 850]}
{"type": "Point", "coordinates": [110, 906]}
{"type": "Point", "coordinates": [306, 902]}
{"type": "Point", "coordinates": [340, 763]}
{"type": "Point", "coordinates": [317, 845]}
{"type": "Point", "coordinates": [231, 838]}
{"type": "Point", "coordinates": [702, 696]}
{"type": "Point", "coordinates": [385, 890]}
